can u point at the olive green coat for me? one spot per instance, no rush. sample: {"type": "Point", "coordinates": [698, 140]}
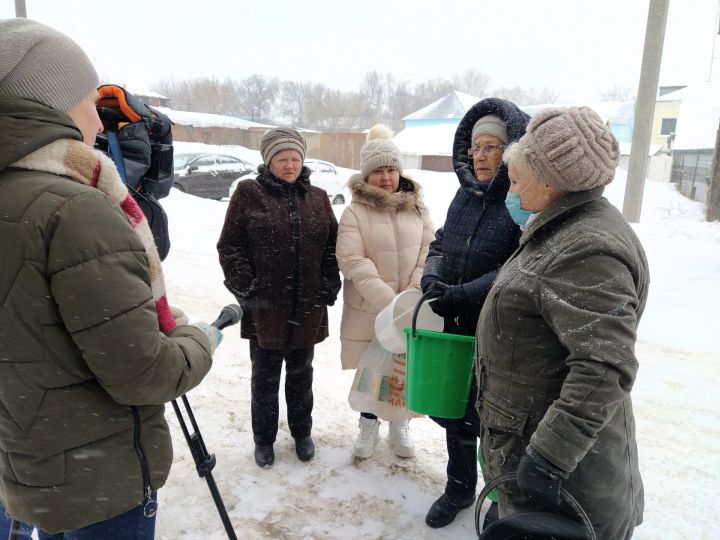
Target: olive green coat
{"type": "Point", "coordinates": [79, 343]}
{"type": "Point", "coordinates": [556, 362]}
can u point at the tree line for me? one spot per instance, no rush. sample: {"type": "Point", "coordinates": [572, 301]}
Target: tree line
{"type": "Point", "coordinates": [380, 97]}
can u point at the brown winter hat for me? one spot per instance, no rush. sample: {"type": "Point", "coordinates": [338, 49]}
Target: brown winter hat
{"type": "Point", "coordinates": [40, 63]}
{"type": "Point", "coordinates": [571, 148]}
{"type": "Point", "coordinates": [379, 151]}
{"type": "Point", "coordinates": [279, 139]}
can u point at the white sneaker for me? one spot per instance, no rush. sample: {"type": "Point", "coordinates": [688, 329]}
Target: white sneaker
{"type": "Point", "coordinates": [367, 438]}
{"type": "Point", "coordinates": [399, 437]}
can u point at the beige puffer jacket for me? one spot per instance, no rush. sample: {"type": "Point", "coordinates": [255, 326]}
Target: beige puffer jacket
{"type": "Point", "coordinates": [382, 243]}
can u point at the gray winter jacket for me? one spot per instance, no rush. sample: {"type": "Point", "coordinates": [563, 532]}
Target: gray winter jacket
{"type": "Point", "coordinates": [556, 362]}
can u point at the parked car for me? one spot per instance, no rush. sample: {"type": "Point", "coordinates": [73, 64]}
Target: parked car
{"type": "Point", "coordinates": [207, 175]}
{"type": "Point", "coordinates": [323, 175]}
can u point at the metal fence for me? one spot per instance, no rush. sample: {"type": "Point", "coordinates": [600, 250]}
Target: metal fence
{"type": "Point", "coordinates": [691, 172]}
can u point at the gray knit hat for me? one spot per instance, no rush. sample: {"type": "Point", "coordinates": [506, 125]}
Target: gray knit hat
{"type": "Point", "coordinates": [279, 139]}
{"type": "Point", "coordinates": [490, 124]}
{"type": "Point", "coordinates": [379, 151]}
{"type": "Point", "coordinates": [571, 148]}
{"type": "Point", "coordinates": [40, 63]}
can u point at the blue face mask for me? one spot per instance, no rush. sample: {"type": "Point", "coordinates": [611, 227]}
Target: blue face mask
{"type": "Point", "coordinates": [517, 213]}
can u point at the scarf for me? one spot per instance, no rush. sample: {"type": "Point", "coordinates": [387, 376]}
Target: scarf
{"type": "Point", "coordinates": [78, 162]}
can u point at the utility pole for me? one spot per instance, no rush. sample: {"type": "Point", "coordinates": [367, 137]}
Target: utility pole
{"type": "Point", "coordinates": [645, 108]}
{"type": "Point", "coordinates": [20, 9]}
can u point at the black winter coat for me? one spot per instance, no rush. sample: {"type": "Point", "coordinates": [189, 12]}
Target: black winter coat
{"type": "Point", "coordinates": [478, 235]}
{"type": "Point", "coordinates": [277, 251]}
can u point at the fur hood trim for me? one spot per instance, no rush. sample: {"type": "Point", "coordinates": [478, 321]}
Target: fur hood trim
{"type": "Point", "coordinates": [408, 199]}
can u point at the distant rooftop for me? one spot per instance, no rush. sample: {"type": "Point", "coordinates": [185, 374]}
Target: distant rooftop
{"type": "Point", "coordinates": [196, 119]}
{"type": "Point", "coordinates": [453, 105]}
{"type": "Point", "coordinates": [147, 93]}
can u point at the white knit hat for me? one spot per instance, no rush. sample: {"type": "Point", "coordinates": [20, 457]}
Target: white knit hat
{"type": "Point", "coordinates": [40, 63]}
{"type": "Point", "coordinates": [379, 151]}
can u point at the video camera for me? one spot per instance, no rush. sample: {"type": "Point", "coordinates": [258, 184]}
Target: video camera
{"type": "Point", "coordinates": [139, 140]}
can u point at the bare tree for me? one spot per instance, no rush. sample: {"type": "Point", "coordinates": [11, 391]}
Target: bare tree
{"type": "Point", "coordinates": [206, 95]}
{"type": "Point", "coordinates": [546, 96]}
{"type": "Point", "coordinates": [373, 96]}
{"type": "Point", "coordinates": [617, 93]}
{"type": "Point", "coordinates": [526, 96]}
{"type": "Point", "coordinates": [380, 98]}
{"type": "Point", "coordinates": [258, 94]}
{"type": "Point", "coordinates": [516, 94]}
{"type": "Point", "coordinates": [295, 95]}
{"type": "Point", "coordinates": [473, 82]}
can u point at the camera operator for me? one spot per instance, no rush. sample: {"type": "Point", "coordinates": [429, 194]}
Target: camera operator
{"type": "Point", "coordinates": [89, 348]}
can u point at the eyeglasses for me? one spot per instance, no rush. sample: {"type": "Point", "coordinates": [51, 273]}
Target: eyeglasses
{"type": "Point", "coordinates": [485, 149]}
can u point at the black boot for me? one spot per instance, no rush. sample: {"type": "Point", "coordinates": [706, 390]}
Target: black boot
{"type": "Point", "coordinates": [264, 455]}
{"type": "Point", "coordinates": [444, 510]}
{"type": "Point", "coordinates": [305, 448]}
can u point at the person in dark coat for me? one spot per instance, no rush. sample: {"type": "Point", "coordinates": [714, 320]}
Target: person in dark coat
{"type": "Point", "coordinates": [556, 337]}
{"type": "Point", "coordinates": [277, 251]}
{"type": "Point", "coordinates": [476, 239]}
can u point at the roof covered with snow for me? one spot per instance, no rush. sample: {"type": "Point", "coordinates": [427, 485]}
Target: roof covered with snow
{"type": "Point", "coordinates": [426, 140]}
{"type": "Point", "coordinates": [676, 95]}
{"type": "Point", "coordinates": [146, 93]}
{"type": "Point", "coordinates": [699, 117]}
{"type": "Point", "coordinates": [195, 119]}
{"type": "Point", "coordinates": [453, 105]}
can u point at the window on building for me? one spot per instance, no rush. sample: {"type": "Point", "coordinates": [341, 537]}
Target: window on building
{"type": "Point", "coordinates": [668, 126]}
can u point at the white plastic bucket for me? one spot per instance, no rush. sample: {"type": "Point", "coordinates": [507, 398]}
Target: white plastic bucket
{"type": "Point", "coordinates": [397, 315]}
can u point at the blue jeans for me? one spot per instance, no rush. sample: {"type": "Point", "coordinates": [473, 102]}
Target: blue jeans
{"type": "Point", "coordinates": [25, 529]}
{"type": "Point", "coordinates": [132, 525]}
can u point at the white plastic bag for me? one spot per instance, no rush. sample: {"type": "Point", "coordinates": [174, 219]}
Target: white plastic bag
{"type": "Point", "coordinates": [379, 384]}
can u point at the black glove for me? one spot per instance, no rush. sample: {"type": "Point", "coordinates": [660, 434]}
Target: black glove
{"type": "Point", "coordinates": [540, 480]}
{"type": "Point", "coordinates": [246, 298]}
{"type": "Point", "coordinates": [443, 304]}
{"type": "Point", "coordinates": [328, 293]}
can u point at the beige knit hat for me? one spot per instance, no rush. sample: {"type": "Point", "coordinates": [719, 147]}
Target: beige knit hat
{"type": "Point", "coordinates": [571, 148]}
{"type": "Point", "coordinates": [40, 63]}
{"type": "Point", "coordinates": [490, 124]}
{"type": "Point", "coordinates": [379, 151]}
{"type": "Point", "coordinates": [279, 139]}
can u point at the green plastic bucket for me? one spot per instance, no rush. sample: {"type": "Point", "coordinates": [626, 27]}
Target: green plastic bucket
{"type": "Point", "coordinates": [439, 370]}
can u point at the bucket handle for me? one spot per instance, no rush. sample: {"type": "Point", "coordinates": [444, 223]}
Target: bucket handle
{"type": "Point", "coordinates": [424, 297]}
{"type": "Point", "coordinates": [512, 477]}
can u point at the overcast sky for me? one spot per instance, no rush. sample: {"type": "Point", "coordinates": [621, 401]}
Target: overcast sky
{"type": "Point", "coordinates": [576, 48]}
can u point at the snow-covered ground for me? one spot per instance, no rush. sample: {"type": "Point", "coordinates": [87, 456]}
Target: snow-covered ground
{"type": "Point", "coordinates": [675, 398]}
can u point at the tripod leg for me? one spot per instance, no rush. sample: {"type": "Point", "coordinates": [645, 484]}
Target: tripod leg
{"type": "Point", "coordinates": [220, 507]}
{"type": "Point", "coordinates": [204, 463]}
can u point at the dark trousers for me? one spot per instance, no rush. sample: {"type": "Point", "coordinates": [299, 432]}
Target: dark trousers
{"type": "Point", "coordinates": [461, 436]}
{"type": "Point", "coordinates": [25, 532]}
{"type": "Point", "coordinates": [265, 383]}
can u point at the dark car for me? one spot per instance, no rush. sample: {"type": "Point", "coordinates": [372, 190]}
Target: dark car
{"type": "Point", "coordinates": [208, 175]}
